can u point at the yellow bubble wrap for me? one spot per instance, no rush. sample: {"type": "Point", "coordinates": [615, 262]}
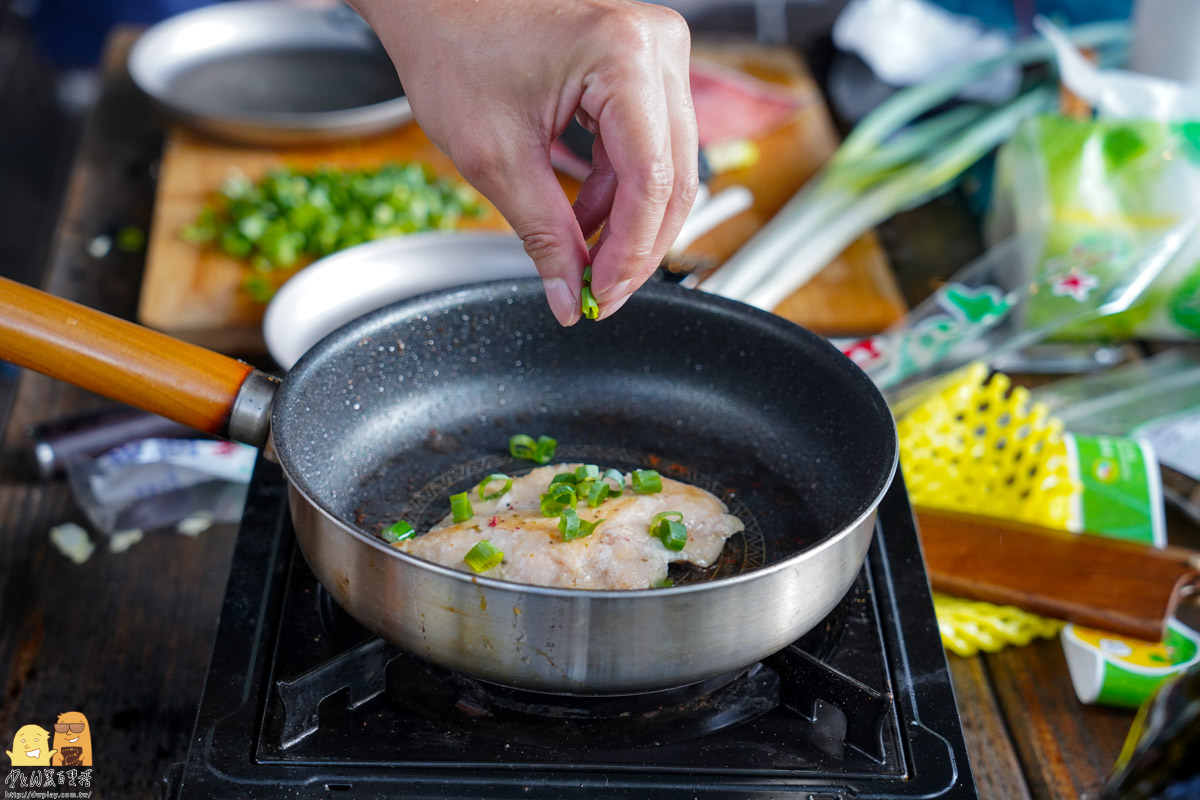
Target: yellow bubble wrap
{"type": "Point", "coordinates": [976, 444]}
{"type": "Point", "coordinates": [968, 626]}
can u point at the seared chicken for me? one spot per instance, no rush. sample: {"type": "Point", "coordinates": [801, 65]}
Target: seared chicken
{"type": "Point", "coordinates": [620, 553]}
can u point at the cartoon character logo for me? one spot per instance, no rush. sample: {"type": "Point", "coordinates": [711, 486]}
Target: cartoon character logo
{"type": "Point", "coordinates": [31, 747]}
{"type": "Point", "coordinates": [73, 740]}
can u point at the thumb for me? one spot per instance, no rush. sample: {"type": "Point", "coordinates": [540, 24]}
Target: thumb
{"type": "Point", "coordinates": [533, 202]}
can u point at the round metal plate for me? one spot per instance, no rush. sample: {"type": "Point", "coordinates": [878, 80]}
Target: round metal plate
{"type": "Point", "coordinates": [271, 73]}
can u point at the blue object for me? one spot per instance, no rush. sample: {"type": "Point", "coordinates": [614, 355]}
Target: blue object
{"type": "Point", "coordinates": [71, 33]}
{"type": "Point", "coordinates": [1017, 15]}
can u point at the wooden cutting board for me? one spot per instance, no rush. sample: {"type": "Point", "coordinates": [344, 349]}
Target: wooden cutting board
{"type": "Point", "coordinates": [195, 293]}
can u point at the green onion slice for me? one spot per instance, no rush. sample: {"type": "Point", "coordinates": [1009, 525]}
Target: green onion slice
{"type": "Point", "coordinates": [676, 516]}
{"type": "Point", "coordinates": [665, 583]}
{"type": "Point", "coordinates": [495, 476]}
{"type": "Point", "coordinates": [572, 527]}
{"type": "Point", "coordinates": [587, 300]}
{"type": "Point", "coordinates": [460, 507]}
{"type": "Point", "coordinates": [540, 452]}
{"type": "Point", "coordinates": [617, 478]}
{"type": "Point", "coordinates": [597, 493]}
{"type": "Point", "coordinates": [545, 449]}
{"type": "Point", "coordinates": [646, 481]}
{"type": "Point", "coordinates": [672, 534]}
{"type": "Point", "coordinates": [587, 303]}
{"type": "Point", "coordinates": [398, 531]}
{"type": "Point", "coordinates": [587, 472]}
{"type": "Point", "coordinates": [564, 477]}
{"type": "Point", "coordinates": [522, 446]}
{"type": "Point", "coordinates": [483, 556]}
{"type": "Point", "coordinates": [559, 496]}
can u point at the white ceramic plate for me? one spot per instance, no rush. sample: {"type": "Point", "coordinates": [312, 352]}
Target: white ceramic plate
{"type": "Point", "coordinates": [341, 287]}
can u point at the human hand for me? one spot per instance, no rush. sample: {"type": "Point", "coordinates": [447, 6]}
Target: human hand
{"type": "Point", "coordinates": [494, 82]}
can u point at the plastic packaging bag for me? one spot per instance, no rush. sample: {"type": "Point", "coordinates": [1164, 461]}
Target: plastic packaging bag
{"type": "Point", "coordinates": [983, 312]}
{"type": "Point", "coordinates": [155, 483]}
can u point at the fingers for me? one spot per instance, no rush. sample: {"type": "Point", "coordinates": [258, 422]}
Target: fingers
{"type": "Point", "coordinates": [595, 197]}
{"type": "Point", "coordinates": [648, 128]}
{"type": "Point", "coordinates": [525, 190]}
{"type": "Point", "coordinates": [635, 129]}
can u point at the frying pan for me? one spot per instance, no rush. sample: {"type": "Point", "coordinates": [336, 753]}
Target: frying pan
{"type": "Point", "coordinates": [395, 411]}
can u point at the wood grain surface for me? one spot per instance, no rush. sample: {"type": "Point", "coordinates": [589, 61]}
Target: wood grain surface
{"type": "Point", "coordinates": [196, 293]}
{"type": "Point", "coordinates": [1096, 581]}
{"type": "Point", "coordinates": [125, 638]}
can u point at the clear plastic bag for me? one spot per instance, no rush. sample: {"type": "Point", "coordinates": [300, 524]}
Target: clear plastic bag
{"type": "Point", "coordinates": [157, 483]}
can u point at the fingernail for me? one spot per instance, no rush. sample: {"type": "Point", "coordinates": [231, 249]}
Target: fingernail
{"type": "Point", "coordinates": [562, 301]}
{"type": "Point", "coordinates": [608, 309]}
{"type": "Point", "coordinates": [614, 292]}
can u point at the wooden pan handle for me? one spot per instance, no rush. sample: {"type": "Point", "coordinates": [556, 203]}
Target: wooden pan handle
{"type": "Point", "coordinates": [119, 359]}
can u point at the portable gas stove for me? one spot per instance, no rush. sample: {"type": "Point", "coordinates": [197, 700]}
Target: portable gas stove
{"type": "Point", "coordinates": [300, 701]}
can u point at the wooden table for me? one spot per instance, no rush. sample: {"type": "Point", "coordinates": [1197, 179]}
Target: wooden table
{"type": "Point", "coordinates": [126, 638]}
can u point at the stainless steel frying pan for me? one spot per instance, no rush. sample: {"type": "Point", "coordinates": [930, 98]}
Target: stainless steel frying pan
{"type": "Point", "coordinates": [399, 409]}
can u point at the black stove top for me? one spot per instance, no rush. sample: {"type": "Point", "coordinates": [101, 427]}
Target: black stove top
{"type": "Point", "coordinates": [300, 701]}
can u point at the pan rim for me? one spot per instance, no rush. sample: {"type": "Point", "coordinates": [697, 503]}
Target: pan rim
{"type": "Point", "coordinates": [435, 300]}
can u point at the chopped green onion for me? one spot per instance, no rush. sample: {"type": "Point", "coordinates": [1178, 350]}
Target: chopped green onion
{"type": "Point", "coordinates": [540, 452]}
{"type": "Point", "coordinates": [617, 478]}
{"type": "Point", "coordinates": [495, 476]}
{"type": "Point", "coordinates": [665, 583]}
{"type": "Point", "coordinates": [646, 481]}
{"type": "Point", "coordinates": [398, 531]}
{"type": "Point", "coordinates": [559, 496]}
{"type": "Point", "coordinates": [522, 446]}
{"type": "Point", "coordinates": [572, 527]}
{"type": "Point", "coordinates": [676, 516]}
{"type": "Point", "coordinates": [587, 472]}
{"type": "Point", "coordinates": [483, 556]}
{"type": "Point", "coordinates": [597, 493]}
{"type": "Point", "coordinates": [672, 534]}
{"type": "Point", "coordinates": [565, 477]}
{"type": "Point", "coordinates": [291, 215]}
{"type": "Point", "coordinates": [588, 304]}
{"type": "Point", "coordinates": [460, 507]}
{"type": "Point", "coordinates": [587, 301]}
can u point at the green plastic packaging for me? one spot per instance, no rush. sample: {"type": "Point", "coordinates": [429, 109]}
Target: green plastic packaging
{"type": "Point", "coordinates": [1099, 190]}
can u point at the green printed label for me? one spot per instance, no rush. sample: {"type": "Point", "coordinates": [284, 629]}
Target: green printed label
{"type": "Point", "coordinates": [1119, 671]}
{"type": "Point", "coordinates": [1121, 494]}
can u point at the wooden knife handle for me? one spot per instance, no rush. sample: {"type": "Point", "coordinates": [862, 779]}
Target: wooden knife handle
{"type": "Point", "coordinates": [118, 359]}
{"type": "Point", "coordinates": [1096, 581]}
